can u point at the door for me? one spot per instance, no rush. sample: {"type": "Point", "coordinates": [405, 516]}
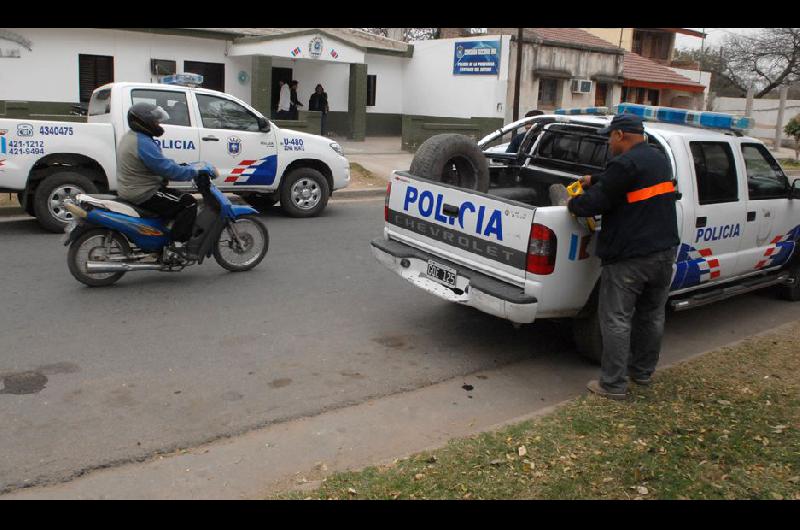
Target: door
{"type": "Point", "coordinates": [278, 74]}
{"type": "Point", "coordinates": [230, 139]}
{"type": "Point", "coordinates": [770, 233]}
{"type": "Point", "coordinates": [180, 139]}
{"type": "Point", "coordinates": [709, 248]}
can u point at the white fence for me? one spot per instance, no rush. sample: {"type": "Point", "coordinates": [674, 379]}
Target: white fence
{"type": "Point", "coordinates": [765, 112]}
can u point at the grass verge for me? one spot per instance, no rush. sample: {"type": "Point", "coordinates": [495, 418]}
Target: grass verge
{"type": "Point", "coordinates": [725, 425]}
{"type": "Point", "coordinates": [789, 163]}
{"type": "Point", "coordinates": [361, 177]}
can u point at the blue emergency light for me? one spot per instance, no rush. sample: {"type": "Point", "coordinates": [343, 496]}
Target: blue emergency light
{"type": "Point", "coordinates": [595, 111]}
{"type": "Point", "coordinates": [183, 79]}
{"type": "Point", "coordinates": [696, 118]}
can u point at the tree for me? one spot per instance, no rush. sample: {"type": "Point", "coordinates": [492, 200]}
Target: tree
{"type": "Point", "coordinates": [405, 34]}
{"type": "Point", "coordinates": [765, 60]}
{"type": "Point", "coordinates": [793, 129]}
{"type": "Point", "coordinates": [713, 60]}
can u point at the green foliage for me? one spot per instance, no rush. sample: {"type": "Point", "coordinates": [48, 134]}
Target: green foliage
{"type": "Point", "coordinates": [793, 129]}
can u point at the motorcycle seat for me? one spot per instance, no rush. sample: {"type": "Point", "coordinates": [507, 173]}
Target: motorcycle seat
{"type": "Point", "coordinates": [115, 204]}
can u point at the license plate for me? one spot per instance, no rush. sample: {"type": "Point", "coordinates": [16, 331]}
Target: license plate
{"type": "Point", "coordinates": [442, 273]}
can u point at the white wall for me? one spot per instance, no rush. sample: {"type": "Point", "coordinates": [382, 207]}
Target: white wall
{"type": "Point", "coordinates": [334, 78]}
{"type": "Point", "coordinates": [431, 89]}
{"type": "Point", "coordinates": [388, 83]}
{"type": "Point", "coordinates": [50, 71]}
{"type": "Point", "coordinates": [765, 112]}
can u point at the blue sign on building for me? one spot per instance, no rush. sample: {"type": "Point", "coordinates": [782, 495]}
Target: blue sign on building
{"type": "Point", "coordinates": [476, 57]}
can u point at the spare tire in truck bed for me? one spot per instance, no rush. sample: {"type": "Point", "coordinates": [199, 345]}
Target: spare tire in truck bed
{"type": "Point", "coordinates": [452, 159]}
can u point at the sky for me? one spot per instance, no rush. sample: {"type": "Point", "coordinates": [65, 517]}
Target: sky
{"type": "Point", "coordinates": [715, 37]}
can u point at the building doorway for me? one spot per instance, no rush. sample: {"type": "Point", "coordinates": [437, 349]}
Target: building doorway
{"type": "Point", "coordinates": [278, 74]}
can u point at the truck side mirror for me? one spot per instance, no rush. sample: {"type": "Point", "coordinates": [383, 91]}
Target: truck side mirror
{"type": "Point", "coordinates": [794, 191]}
{"type": "Point", "coordinates": [263, 124]}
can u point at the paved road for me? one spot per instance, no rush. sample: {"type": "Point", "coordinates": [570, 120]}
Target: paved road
{"type": "Point", "coordinates": [161, 362]}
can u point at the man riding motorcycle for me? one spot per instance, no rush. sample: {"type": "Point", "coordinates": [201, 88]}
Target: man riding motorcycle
{"type": "Point", "coordinates": [143, 172]}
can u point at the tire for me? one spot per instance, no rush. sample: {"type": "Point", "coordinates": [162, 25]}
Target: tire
{"type": "Point", "coordinates": [304, 192]}
{"type": "Point", "coordinates": [77, 265]}
{"type": "Point", "coordinates": [49, 196]}
{"type": "Point", "coordinates": [588, 337]}
{"type": "Point", "coordinates": [791, 292]}
{"type": "Point", "coordinates": [28, 207]}
{"type": "Point", "coordinates": [452, 159]}
{"type": "Point", "coordinates": [261, 201]}
{"type": "Point", "coordinates": [249, 227]}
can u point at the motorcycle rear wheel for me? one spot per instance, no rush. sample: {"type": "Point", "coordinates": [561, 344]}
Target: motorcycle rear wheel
{"type": "Point", "coordinates": [91, 245]}
{"type": "Point", "coordinates": [256, 243]}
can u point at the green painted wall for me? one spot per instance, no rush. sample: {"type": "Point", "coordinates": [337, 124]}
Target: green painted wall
{"type": "Point", "coordinates": [261, 84]}
{"type": "Point", "coordinates": [357, 101]}
{"type": "Point", "coordinates": [417, 129]}
{"type": "Point", "coordinates": [381, 124]}
{"type": "Point", "coordinates": [308, 122]}
{"type": "Point", "coordinates": [39, 110]}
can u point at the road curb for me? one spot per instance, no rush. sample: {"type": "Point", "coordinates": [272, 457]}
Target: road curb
{"type": "Point", "coordinates": [10, 211]}
{"type": "Point", "coordinates": [367, 193]}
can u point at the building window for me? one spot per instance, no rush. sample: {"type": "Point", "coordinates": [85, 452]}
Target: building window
{"type": "Point", "coordinates": [652, 97]}
{"type": "Point", "coordinates": [371, 82]}
{"type": "Point", "coordinates": [548, 92]}
{"type": "Point", "coordinates": [715, 172]}
{"type": "Point", "coordinates": [601, 95]}
{"type": "Point", "coordinates": [213, 74]}
{"type": "Point", "coordinates": [93, 71]}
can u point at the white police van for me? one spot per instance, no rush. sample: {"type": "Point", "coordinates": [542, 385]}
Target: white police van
{"type": "Point", "coordinates": [45, 162]}
{"type": "Point", "coordinates": [510, 253]}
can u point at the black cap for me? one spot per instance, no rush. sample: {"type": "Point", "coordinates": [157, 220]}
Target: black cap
{"type": "Point", "coordinates": [625, 123]}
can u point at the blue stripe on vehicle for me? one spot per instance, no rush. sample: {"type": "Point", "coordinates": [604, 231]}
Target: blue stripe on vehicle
{"type": "Point", "coordinates": [573, 247]}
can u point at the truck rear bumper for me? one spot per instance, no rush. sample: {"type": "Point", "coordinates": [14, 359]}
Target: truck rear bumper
{"type": "Point", "coordinates": [473, 289]}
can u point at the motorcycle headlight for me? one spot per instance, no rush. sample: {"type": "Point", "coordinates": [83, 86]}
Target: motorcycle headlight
{"type": "Point", "coordinates": [338, 148]}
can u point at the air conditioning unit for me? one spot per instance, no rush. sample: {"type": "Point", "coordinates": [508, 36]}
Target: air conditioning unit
{"type": "Point", "coordinates": [581, 86]}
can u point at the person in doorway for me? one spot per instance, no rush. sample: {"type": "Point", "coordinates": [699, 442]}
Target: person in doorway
{"type": "Point", "coordinates": [516, 142]}
{"type": "Point", "coordinates": [637, 246]}
{"type": "Point", "coordinates": [294, 103]}
{"type": "Point", "coordinates": [319, 102]}
{"type": "Point", "coordinates": [284, 101]}
{"type": "Point", "coordinates": [143, 172]}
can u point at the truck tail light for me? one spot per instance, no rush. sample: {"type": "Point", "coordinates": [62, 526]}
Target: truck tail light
{"type": "Point", "coordinates": [386, 202]}
{"type": "Point", "coordinates": [542, 248]}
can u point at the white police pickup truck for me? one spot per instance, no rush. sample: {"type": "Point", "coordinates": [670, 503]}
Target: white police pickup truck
{"type": "Point", "coordinates": [510, 253]}
{"type": "Point", "coordinates": [46, 162]}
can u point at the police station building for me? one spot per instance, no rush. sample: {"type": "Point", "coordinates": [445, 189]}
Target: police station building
{"type": "Point", "coordinates": [376, 86]}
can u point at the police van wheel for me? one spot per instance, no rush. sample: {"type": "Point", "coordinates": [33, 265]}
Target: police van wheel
{"type": "Point", "coordinates": [588, 337]}
{"type": "Point", "coordinates": [48, 201]}
{"type": "Point", "coordinates": [791, 291]}
{"type": "Point", "coordinates": [452, 159]}
{"type": "Point", "coordinates": [28, 205]}
{"type": "Point", "coordinates": [304, 192]}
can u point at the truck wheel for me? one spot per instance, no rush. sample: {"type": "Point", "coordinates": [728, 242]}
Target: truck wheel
{"type": "Point", "coordinates": [304, 192]}
{"type": "Point", "coordinates": [452, 159]}
{"type": "Point", "coordinates": [791, 292]}
{"type": "Point", "coordinates": [588, 337]}
{"type": "Point", "coordinates": [48, 202]}
{"type": "Point", "coordinates": [261, 201]}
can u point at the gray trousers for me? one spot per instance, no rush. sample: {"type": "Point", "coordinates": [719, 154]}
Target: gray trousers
{"type": "Point", "coordinates": [633, 296]}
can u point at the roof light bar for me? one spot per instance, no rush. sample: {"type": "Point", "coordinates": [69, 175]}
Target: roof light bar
{"type": "Point", "coordinates": [596, 111]}
{"type": "Point", "coordinates": [183, 79]}
{"type": "Point", "coordinates": [697, 118]}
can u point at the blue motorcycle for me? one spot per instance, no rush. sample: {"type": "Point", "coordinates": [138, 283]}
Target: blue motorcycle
{"type": "Point", "coordinates": [109, 237]}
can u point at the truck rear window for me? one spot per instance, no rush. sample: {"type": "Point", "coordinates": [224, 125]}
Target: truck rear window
{"type": "Point", "coordinates": [569, 149]}
{"type": "Point", "coordinates": [100, 102]}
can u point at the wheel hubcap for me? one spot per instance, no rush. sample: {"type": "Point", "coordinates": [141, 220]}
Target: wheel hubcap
{"type": "Point", "coordinates": [55, 204]}
{"type": "Point", "coordinates": [306, 194]}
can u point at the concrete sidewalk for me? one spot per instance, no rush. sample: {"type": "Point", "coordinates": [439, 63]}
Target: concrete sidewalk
{"type": "Point", "coordinates": [381, 155]}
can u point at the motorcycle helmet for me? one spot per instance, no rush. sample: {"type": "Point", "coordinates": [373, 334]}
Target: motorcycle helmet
{"type": "Point", "coordinates": [146, 118]}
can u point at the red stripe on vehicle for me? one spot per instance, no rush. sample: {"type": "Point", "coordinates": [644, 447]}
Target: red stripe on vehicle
{"type": "Point", "coordinates": [713, 263]}
{"type": "Point", "coordinates": [705, 252]}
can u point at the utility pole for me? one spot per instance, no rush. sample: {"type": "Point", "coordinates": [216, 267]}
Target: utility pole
{"type": "Point", "coordinates": [517, 75]}
{"type": "Point", "coordinates": [781, 109]}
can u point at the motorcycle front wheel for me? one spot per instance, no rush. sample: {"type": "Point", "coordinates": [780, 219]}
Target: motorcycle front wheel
{"type": "Point", "coordinates": [96, 245]}
{"type": "Point", "coordinates": [248, 250]}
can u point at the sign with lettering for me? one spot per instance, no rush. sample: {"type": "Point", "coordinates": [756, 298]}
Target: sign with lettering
{"type": "Point", "coordinates": [476, 57]}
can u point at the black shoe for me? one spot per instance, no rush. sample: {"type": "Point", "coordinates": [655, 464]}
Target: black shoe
{"type": "Point", "coordinates": [595, 387]}
{"type": "Point", "coordinates": [641, 381]}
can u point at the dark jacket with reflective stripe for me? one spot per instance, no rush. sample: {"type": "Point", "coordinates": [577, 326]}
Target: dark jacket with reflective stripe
{"type": "Point", "coordinates": [637, 207]}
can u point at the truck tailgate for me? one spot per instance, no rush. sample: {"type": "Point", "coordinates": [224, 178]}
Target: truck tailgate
{"type": "Point", "coordinates": [485, 233]}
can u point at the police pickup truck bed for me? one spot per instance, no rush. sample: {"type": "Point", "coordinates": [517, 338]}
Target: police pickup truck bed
{"type": "Point", "coordinates": [510, 253]}
{"type": "Point", "coordinates": [45, 162]}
